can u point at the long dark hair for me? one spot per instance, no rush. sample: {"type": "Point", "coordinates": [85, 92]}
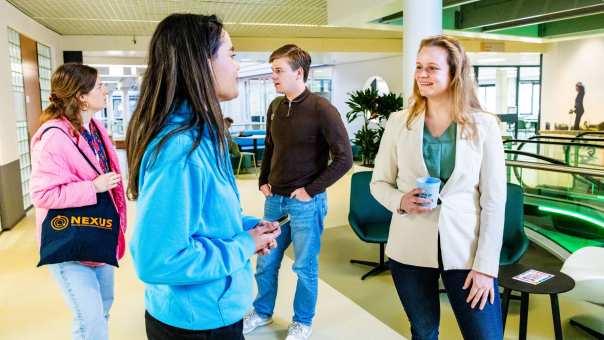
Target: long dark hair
{"type": "Point", "coordinates": [178, 71]}
{"type": "Point", "coordinates": [68, 83]}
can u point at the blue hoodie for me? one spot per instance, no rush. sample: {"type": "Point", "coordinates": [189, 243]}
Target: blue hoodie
{"type": "Point", "coordinates": [190, 244]}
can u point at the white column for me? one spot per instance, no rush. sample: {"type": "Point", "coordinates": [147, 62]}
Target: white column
{"type": "Point", "coordinates": [421, 19]}
{"type": "Point", "coordinates": [109, 113]}
{"type": "Point", "coordinates": [125, 108]}
{"type": "Point", "coordinates": [501, 88]}
{"type": "Point", "coordinates": [121, 131]}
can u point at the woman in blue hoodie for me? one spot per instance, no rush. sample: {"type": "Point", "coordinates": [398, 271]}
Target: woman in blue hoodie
{"type": "Point", "coordinates": [191, 245]}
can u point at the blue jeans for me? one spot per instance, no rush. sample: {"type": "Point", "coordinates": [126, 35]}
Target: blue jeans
{"type": "Point", "coordinates": [417, 288]}
{"type": "Point", "coordinates": [304, 231]}
{"type": "Point", "coordinates": [89, 293]}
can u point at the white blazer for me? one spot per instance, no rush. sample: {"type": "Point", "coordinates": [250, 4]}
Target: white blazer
{"type": "Point", "coordinates": [470, 218]}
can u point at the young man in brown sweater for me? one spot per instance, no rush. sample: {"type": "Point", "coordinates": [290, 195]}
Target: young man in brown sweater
{"type": "Point", "coordinates": [302, 130]}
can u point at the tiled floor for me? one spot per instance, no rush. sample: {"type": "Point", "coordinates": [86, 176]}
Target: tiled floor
{"type": "Point", "coordinates": [31, 306]}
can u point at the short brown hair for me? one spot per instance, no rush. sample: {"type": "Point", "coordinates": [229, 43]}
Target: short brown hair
{"type": "Point", "coordinates": [296, 56]}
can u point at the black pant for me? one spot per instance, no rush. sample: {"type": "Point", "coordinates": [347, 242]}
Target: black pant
{"type": "Point", "coordinates": [157, 330]}
{"type": "Point", "coordinates": [578, 115]}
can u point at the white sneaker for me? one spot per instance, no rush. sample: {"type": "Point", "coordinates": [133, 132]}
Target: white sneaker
{"type": "Point", "coordinates": [298, 331]}
{"type": "Point", "coordinates": [253, 320]}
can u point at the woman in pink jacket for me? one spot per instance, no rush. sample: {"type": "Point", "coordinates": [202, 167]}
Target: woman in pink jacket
{"type": "Point", "coordinates": [62, 178]}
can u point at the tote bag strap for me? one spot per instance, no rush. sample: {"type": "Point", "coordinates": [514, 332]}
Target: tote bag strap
{"type": "Point", "coordinates": [75, 144]}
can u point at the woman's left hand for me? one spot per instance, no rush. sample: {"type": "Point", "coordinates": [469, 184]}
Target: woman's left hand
{"type": "Point", "coordinates": [481, 289]}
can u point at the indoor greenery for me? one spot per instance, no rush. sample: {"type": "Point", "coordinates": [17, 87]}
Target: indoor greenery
{"type": "Point", "coordinates": [374, 109]}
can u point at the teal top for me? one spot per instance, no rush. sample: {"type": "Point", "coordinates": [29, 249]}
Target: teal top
{"type": "Point", "coordinates": [439, 153]}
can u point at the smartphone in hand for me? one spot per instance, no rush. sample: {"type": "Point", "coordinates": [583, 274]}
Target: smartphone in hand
{"type": "Point", "coordinates": [283, 220]}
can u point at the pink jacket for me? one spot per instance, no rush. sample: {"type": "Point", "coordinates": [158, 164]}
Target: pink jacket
{"type": "Point", "coordinates": [61, 177]}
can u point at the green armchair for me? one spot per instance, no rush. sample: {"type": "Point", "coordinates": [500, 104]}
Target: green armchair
{"type": "Point", "coordinates": [369, 220]}
{"type": "Point", "coordinates": [515, 242]}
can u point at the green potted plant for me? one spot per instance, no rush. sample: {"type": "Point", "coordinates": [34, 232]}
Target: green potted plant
{"type": "Point", "coordinates": [375, 110]}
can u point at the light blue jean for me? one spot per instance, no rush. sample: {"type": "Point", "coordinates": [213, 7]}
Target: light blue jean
{"type": "Point", "coordinates": [304, 231]}
{"type": "Point", "coordinates": [89, 293]}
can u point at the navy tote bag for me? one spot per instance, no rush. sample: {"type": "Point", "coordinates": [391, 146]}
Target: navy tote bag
{"type": "Point", "coordinates": [88, 233]}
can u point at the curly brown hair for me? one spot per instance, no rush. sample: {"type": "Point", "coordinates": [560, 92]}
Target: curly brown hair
{"type": "Point", "coordinates": [69, 82]}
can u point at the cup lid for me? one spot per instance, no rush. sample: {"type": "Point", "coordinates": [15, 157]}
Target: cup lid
{"type": "Point", "coordinates": [428, 180]}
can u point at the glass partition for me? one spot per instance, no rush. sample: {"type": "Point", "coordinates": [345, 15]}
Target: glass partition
{"type": "Point", "coordinates": [14, 48]}
{"type": "Point", "coordinates": [561, 214]}
{"type": "Point", "coordinates": [513, 92]}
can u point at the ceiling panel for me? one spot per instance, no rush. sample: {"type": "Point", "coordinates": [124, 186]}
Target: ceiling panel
{"type": "Point", "coordinates": [285, 11]}
{"type": "Point", "coordinates": [242, 18]}
{"type": "Point", "coordinates": [119, 17]}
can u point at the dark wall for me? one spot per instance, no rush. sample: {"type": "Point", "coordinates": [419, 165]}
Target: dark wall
{"type": "Point", "coordinates": [11, 197]}
{"type": "Point", "coordinates": [73, 57]}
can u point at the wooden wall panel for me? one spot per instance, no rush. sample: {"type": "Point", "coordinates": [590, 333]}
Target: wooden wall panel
{"type": "Point", "coordinates": [31, 81]}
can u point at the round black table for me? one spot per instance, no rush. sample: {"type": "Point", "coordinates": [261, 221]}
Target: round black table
{"type": "Point", "coordinates": [560, 283]}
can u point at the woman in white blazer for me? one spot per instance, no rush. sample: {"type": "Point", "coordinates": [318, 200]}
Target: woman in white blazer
{"type": "Point", "coordinates": [444, 133]}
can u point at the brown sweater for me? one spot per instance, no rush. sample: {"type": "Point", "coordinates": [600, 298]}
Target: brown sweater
{"type": "Point", "coordinates": [299, 138]}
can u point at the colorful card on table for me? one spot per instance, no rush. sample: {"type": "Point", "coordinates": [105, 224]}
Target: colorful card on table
{"type": "Point", "coordinates": [533, 277]}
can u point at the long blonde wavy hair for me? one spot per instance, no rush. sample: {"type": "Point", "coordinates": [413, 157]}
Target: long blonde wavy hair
{"type": "Point", "coordinates": [462, 87]}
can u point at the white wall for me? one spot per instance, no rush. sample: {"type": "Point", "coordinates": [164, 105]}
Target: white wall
{"type": "Point", "coordinates": [564, 64]}
{"type": "Point", "coordinates": [104, 43]}
{"type": "Point", "coordinates": [13, 18]}
{"type": "Point", "coordinates": [357, 13]}
{"type": "Point", "coordinates": [349, 77]}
